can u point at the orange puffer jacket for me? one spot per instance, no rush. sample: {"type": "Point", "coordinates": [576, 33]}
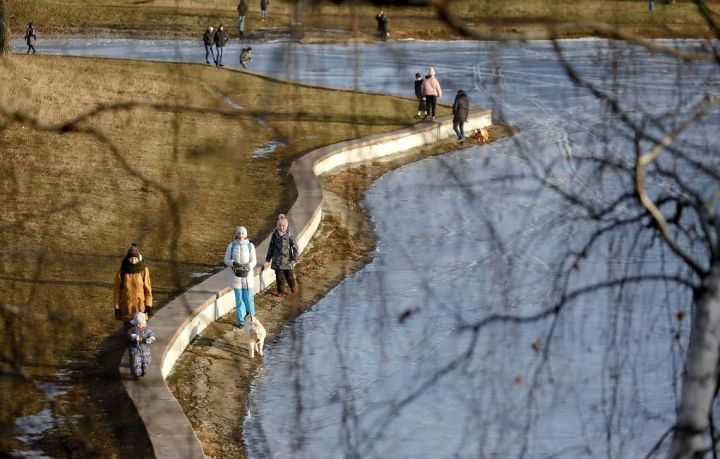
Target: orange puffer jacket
{"type": "Point", "coordinates": [133, 293]}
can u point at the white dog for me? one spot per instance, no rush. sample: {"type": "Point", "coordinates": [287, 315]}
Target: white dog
{"type": "Point", "coordinates": [254, 335]}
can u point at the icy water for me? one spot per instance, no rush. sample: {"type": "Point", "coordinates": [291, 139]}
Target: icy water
{"type": "Point", "coordinates": [418, 354]}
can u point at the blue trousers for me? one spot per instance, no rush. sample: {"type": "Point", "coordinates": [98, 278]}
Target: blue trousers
{"type": "Point", "coordinates": [244, 304]}
{"type": "Point", "coordinates": [209, 52]}
{"type": "Point", "coordinates": [219, 50]}
{"type": "Point", "coordinates": [458, 127]}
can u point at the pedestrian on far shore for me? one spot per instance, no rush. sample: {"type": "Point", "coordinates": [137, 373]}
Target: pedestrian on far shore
{"type": "Point", "coordinates": [220, 38]}
{"type": "Point", "coordinates": [240, 257]}
{"type": "Point", "coordinates": [283, 252]}
{"type": "Point", "coordinates": [264, 9]}
{"type": "Point", "coordinates": [30, 38]}
{"type": "Point", "coordinates": [208, 38]}
{"type": "Point", "coordinates": [242, 11]}
{"type": "Point", "coordinates": [432, 91]}
{"type": "Point", "coordinates": [382, 25]}
{"type": "Point", "coordinates": [461, 107]}
{"type": "Point", "coordinates": [422, 108]}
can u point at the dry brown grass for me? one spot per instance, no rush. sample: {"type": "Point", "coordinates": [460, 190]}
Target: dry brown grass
{"type": "Point", "coordinates": [70, 206]}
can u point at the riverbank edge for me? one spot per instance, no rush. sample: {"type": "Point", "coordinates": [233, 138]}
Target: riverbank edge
{"type": "Point", "coordinates": [186, 316]}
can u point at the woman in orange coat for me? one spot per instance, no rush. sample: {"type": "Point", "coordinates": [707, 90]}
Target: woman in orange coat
{"type": "Point", "coordinates": [133, 290]}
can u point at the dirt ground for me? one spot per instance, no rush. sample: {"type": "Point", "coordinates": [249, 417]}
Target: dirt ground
{"type": "Point", "coordinates": [212, 378]}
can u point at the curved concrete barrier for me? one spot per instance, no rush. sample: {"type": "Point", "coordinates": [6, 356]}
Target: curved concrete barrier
{"type": "Point", "coordinates": [186, 316]}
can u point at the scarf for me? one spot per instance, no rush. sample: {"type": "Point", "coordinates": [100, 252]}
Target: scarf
{"type": "Point", "coordinates": [129, 268]}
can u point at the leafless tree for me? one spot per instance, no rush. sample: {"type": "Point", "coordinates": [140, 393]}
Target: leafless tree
{"type": "Point", "coordinates": [4, 28]}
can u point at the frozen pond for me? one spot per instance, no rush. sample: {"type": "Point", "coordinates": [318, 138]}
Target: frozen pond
{"type": "Point", "coordinates": [399, 360]}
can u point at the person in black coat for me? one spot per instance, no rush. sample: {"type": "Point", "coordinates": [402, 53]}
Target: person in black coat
{"type": "Point", "coordinates": [422, 108]}
{"type": "Point", "coordinates": [460, 114]}
{"type": "Point", "coordinates": [208, 38]}
{"type": "Point", "coordinates": [242, 11]}
{"type": "Point", "coordinates": [382, 24]}
{"type": "Point", "coordinates": [220, 39]}
{"type": "Point", "coordinates": [30, 38]}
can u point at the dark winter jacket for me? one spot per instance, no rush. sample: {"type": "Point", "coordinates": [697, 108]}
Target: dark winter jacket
{"type": "Point", "coordinates": [208, 37]}
{"type": "Point", "coordinates": [264, 4]}
{"type": "Point", "coordinates": [282, 251]}
{"type": "Point", "coordinates": [382, 23]}
{"type": "Point", "coordinates": [242, 8]}
{"type": "Point", "coordinates": [30, 36]}
{"type": "Point", "coordinates": [220, 38]}
{"type": "Point", "coordinates": [460, 107]}
{"type": "Point", "coordinates": [418, 90]}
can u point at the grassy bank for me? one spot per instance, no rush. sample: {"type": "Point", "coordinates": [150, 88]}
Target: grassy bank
{"type": "Point", "coordinates": [332, 21]}
{"type": "Point", "coordinates": [175, 173]}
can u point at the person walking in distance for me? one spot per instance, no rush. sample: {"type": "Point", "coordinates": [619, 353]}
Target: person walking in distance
{"type": "Point", "coordinates": [382, 25]}
{"type": "Point", "coordinates": [263, 9]}
{"type": "Point", "coordinates": [208, 38]}
{"type": "Point", "coordinates": [30, 38]}
{"type": "Point", "coordinates": [220, 38]}
{"type": "Point", "coordinates": [242, 11]}
{"type": "Point", "coordinates": [460, 114]}
{"type": "Point", "coordinates": [133, 289]}
{"type": "Point", "coordinates": [422, 109]}
{"type": "Point", "coordinates": [283, 252]}
{"type": "Point", "coordinates": [245, 56]}
{"type": "Point", "coordinates": [240, 257]}
{"type": "Point", "coordinates": [432, 91]}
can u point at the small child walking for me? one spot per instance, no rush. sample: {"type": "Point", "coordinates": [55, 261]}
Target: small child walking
{"type": "Point", "coordinates": [422, 109]}
{"type": "Point", "coordinates": [140, 337]}
{"type": "Point", "coordinates": [245, 56]}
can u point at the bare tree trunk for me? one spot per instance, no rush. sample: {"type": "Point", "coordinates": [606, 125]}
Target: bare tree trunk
{"type": "Point", "coordinates": [700, 378]}
{"type": "Point", "coordinates": [4, 28]}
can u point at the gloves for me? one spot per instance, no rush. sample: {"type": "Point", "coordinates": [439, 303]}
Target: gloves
{"type": "Point", "coordinates": [236, 264]}
{"type": "Point", "coordinates": [150, 311]}
{"type": "Point", "coordinates": [117, 315]}
{"type": "Point", "coordinates": [134, 337]}
{"type": "Point", "coordinates": [150, 340]}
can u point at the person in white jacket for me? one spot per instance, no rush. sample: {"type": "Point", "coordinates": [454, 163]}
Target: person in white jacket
{"type": "Point", "coordinates": [240, 258]}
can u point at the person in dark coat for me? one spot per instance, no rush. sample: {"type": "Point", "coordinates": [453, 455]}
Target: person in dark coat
{"type": "Point", "coordinates": [208, 38]}
{"type": "Point", "coordinates": [30, 38]}
{"type": "Point", "coordinates": [242, 11]}
{"type": "Point", "coordinates": [220, 38]}
{"type": "Point", "coordinates": [283, 252]}
{"type": "Point", "coordinates": [460, 114]}
{"type": "Point", "coordinates": [382, 25]}
{"type": "Point", "coordinates": [263, 9]}
{"type": "Point", "coordinates": [422, 109]}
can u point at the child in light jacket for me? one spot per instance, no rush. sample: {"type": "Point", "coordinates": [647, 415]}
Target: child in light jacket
{"type": "Point", "coordinates": [140, 337]}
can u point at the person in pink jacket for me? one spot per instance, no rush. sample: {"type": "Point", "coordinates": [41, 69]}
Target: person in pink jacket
{"type": "Point", "coordinates": [432, 91]}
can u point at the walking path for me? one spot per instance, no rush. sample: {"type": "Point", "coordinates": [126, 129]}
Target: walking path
{"type": "Point", "coordinates": [186, 316]}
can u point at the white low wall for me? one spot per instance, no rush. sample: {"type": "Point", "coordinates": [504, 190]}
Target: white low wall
{"type": "Point", "coordinates": [186, 316]}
